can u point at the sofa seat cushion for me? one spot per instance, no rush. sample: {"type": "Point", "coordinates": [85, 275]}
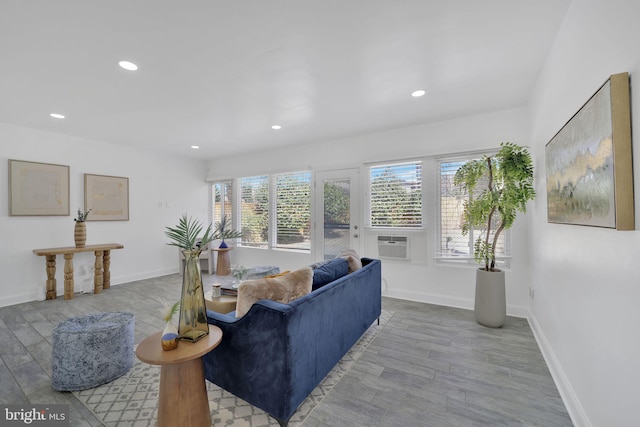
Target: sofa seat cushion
{"type": "Point", "coordinates": [282, 289]}
{"type": "Point", "coordinates": [328, 272]}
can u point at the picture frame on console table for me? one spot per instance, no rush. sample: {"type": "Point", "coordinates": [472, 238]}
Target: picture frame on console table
{"type": "Point", "coordinates": [589, 162]}
{"type": "Point", "coordinates": [38, 189]}
{"type": "Point", "coordinates": [107, 197]}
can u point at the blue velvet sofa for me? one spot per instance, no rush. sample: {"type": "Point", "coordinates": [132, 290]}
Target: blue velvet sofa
{"type": "Point", "coordinates": [276, 354]}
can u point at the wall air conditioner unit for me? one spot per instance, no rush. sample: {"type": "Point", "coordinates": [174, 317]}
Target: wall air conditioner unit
{"type": "Point", "coordinates": [393, 247]}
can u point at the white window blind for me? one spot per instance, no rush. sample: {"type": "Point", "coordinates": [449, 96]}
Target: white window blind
{"type": "Point", "coordinates": [395, 195]}
{"type": "Point", "coordinates": [293, 211]}
{"type": "Point", "coordinates": [253, 211]}
{"type": "Point", "coordinates": [452, 198]}
{"type": "Point", "coordinates": [222, 204]}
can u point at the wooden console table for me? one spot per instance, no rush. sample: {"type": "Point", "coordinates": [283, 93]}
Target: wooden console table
{"type": "Point", "coordinates": [102, 275]}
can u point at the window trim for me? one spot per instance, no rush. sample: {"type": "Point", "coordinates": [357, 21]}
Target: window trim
{"type": "Point", "coordinates": [273, 215]}
{"type": "Point", "coordinates": [272, 220]}
{"type": "Point", "coordinates": [238, 205]}
{"type": "Point", "coordinates": [212, 201]}
{"type": "Point", "coordinates": [367, 195]}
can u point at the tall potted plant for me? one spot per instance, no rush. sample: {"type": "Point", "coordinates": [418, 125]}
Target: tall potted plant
{"type": "Point", "coordinates": [499, 187]}
{"type": "Point", "coordinates": [192, 323]}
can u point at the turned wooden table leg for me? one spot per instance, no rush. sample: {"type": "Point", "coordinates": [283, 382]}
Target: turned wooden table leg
{"type": "Point", "coordinates": [106, 274]}
{"type": "Point", "coordinates": [51, 277]}
{"type": "Point", "coordinates": [97, 278]}
{"type": "Point", "coordinates": [68, 276]}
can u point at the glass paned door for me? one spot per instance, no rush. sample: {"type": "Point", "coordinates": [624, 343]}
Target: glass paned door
{"type": "Point", "coordinates": [337, 221]}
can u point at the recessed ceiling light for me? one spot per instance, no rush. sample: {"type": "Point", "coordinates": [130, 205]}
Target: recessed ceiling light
{"type": "Point", "coordinates": [57, 116]}
{"type": "Point", "coordinates": [276, 127]}
{"type": "Point", "coordinates": [418, 93]}
{"type": "Point", "coordinates": [130, 66]}
{"type": "Point", "coordinates": [195, 147]}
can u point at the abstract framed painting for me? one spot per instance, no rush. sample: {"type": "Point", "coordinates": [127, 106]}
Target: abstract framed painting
{"type": "Point", "coordinates": [38, 189]}
{"type": "Point", "coordinates": [107, 197]}
{"type": "Point", "coordinates": [589, 162]}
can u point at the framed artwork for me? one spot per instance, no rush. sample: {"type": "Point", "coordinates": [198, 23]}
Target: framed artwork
{"type": "Point", "coordinates": [38, 189]}
{"type": "Point", "coordinates": [107, 197]}
{"type": "Point", "coordinates": [589, 162]}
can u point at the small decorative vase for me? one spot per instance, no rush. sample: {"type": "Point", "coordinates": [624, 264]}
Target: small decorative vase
{"type": "Point", "coordinates": [223, 245]}
{"type": "Point", "coordinates": [80, 234]}
{"type": "Point", "coordinates": [169, 336]}
{"type": "Point", "coordinates": [193, 311]}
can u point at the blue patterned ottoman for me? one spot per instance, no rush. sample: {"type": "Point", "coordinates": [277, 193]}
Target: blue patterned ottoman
{"type": "Point", "coordinates": [92, 350]}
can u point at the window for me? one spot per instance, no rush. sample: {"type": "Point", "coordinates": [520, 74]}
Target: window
{"type": "Point", "coordinates": [221, 196]}
{"type": "Point", "coordinates": [275, 212]}
{"type": "Point", "coordinates": [253, 211]}
{"type": "Point", "coordinates": [453, 245]}
{"type": "Point", "coordinates": [395, 195]}
{"type": "Point", "coordinates": [293, 211]}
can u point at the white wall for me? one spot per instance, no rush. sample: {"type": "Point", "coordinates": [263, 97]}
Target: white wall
{"type": "Point", "coordinates": [421, 279]}
{"type": "Point", "coordinates": [161, 188]}
{"type": "Point", "coordinates": [586, 284]}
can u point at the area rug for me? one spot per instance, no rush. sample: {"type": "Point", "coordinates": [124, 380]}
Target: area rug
{"type": "Point", "coordinates": [131, 400]}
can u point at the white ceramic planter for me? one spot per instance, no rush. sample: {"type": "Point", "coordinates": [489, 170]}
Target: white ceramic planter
{"type": "Point", "coordinates": [491, 302]}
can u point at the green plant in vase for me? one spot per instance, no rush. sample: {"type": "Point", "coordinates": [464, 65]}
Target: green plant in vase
{"type": "Point", "coordinates": [82, 216]}
{"type": "Point", "coordinates": [80, 229]}
{"type": "Point", "coordinates": [238, 272]}
{"type": "Point", "coordinates": [499, 187]}
{"type": "Point", "coordinates": [506, 183]}
{"type": "Point", "coordinates": [224, 231]}
{"type": "Point", "coordinates": [193, 313]}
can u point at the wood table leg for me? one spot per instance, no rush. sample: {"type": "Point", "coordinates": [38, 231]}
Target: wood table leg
{"type": "Point", "coordinates": [68, 276]}
{"type": "Point", "coordinates": [51, 277]}
{"type": "Point", "coordinates": [183, 395]}
{"type": "Point", "coordinates": [223, 267]}
{"type": "Point", "coordinates": [106, 274]}
{"type": "Point", "coordinates": [97, 278]}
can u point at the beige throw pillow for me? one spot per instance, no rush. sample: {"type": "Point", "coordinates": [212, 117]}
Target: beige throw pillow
{"type": "Point", "coordinates": [352, 258]}
{"type": "Point", "coordinates": [283, 289]}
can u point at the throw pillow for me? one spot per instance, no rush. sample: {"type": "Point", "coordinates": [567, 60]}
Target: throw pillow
{"type": "Point", "coordinates": [353, 258]}
{"type": "Point", "coordinates": [283, 289]}
{"type": "Point", "coordinates": [327, 273]}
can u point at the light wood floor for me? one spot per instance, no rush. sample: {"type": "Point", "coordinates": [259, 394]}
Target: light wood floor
{"type": "Point", "coordinates": [429, 366]}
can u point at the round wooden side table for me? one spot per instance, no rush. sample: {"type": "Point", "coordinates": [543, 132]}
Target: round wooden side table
{"type": "Point", "coordinates": [183, 398]}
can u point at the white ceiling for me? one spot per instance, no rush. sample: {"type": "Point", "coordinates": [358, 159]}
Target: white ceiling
{"type": "Point", "coordinates": [219, 73]}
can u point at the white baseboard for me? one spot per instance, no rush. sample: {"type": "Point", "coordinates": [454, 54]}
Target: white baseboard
{"type": "Point", "coordinates": [118, 280]}
{"type": "Point", "coordinates": [568, 395]}
{"type": "Point", "coordinates": [39, 294]}
{"type": "Point", "coordinates": [18, 299]}
{"type": "Point", "coordinates": [467, 304]}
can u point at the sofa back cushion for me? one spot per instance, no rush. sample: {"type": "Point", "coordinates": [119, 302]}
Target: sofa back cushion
{"type": "Point", "coordinates": [328, 272]}
{"type": "Point", "coordinates": [282, 289]}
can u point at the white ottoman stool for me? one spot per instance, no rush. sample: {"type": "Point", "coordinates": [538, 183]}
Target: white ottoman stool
{"type": "Point", "coordinates": [92, 350]}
